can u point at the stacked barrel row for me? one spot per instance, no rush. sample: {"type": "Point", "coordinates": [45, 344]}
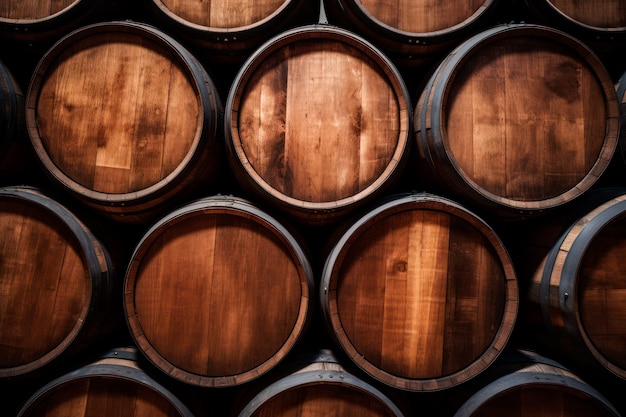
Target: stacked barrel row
{"type": "Point", "coordinates": [292, 208]}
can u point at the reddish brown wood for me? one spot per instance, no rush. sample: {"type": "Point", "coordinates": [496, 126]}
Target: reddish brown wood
{"type": "Point", "coordinates": [44, 20]}
{"type": "Point", "coordinates": [420, 293]}
{"type": "Point", "coordinates": [56, 283]}
{"type": "Point", "coordinates": [318, 123]}
{"type": "Point", "coordinates": [230, 29]}
{"type": "Point", "coordinates": [607, 17]}
{"type": "Point", "coordinates": [124, 118]}
{"type": "Point", "coordinates": [114, 386]}
{"type": "Point", "coordinates": [217, 293]}
{"type": "Point", "coordinates": [413, 28]}
{"type": "Point", "coordinates": [519, 120]}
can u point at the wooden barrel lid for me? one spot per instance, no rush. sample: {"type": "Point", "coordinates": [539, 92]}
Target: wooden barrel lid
{"type": "Point", "coordinates": [317, 122]}
{"type": "Point", "coordinates": [603, 18]}
{"type": "Point", "coordinates": [415, 27]}
{"type": "Point", "coordinates": [519, 119]}
{"type": "Point", "coordinates": [114, 386]}
{"type": "Point", "coordinates": [55, 280]}
{"type": "Point", "coordinates": [228, 27]}
{"type": "Point", "coordinates": [420, 293]}
{"type": "Point", "coordinates": [39, 20]}
{"type": "Point", "coordinates": [322, 387]}
{"type": "Point", "coordinates": [537, 387]}
{"type": "Point", "coordinates": [107, 133]}
{"type": "Point", "coordinates": [583, 286]}
{"type": "Point", "coordinates": [217, 292]}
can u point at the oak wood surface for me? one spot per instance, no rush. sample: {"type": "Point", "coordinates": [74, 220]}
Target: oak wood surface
{"type": "Point", "coordinates": [222, 13]}
{"type": "Point", "coordinates": [103, 396]}
{"type": "Point", "coordinates": [601, 13]}
{"type": "Point", "coordinates": [602, 298]}
{"type": "Point", "coordinates": [33, 9]}
{"type": "Point", "coordinates": [421, 16]}
{"type": "Point", "coordinates": [318, 120]}
{"type": "Point", "coordinates": [44, 283]}
{"type": "Point", "coordinates": [416, 294]}
{"type": "Point", "coordinates": [519, 119]}
{"type": "Point", "coordinates": [115, 385]}
{"type": "Point", "coordinates": [111, 128]}
{"type": "Point", "coordinates": [219, 296]}
{"type": "Point", "coordinates": [433, 299]}
{"type": "Point", "coordinates": [577, 287]}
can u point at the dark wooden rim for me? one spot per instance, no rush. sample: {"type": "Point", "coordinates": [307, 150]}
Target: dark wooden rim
{"type": "Point", "coordinates": [569, 251]}
{"type": "Point", "coordinates": [210, 206]}
{"type": "Point", "coordinates": [332, 266]}
{"type": "Point", "coordinates": [312, 378]}
{"type": "Point", "coordinates": [207, 127]}
{"type": "Point", "coordinates": [431, 135]}
{"type": "Point", "coordinates": [117, 371]}
{"type": "Point", "coordinates": [237, 156]}
{"type": "Point", "coordinates": [97, 278]}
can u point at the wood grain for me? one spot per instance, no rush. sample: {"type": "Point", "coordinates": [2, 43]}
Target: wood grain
{"type": "Point", "coordinates": [433, 299]}
{"type": "Point", "coordinates": [222, 13]}
{"type": "Point", "coordinates": [419, 294]}
{"type": "Point", "coordinates": [518, 120]}
{"type": "Point", "coordinates": [601, 13]}
{"type": "Point", "coordinates": [33, 9]}
{"type": "Point", "coordinates": [219, 296]}
{"type": "Point", "coordinates": [305, 103]}
{"type": "Point", "coordinates": [109, 396]}
{"type": "Point", "coordinates": [421, 16]}
{"type": "Point", "coordinates": [602, 294]}
{"type": "Point", "coordinates": [318, 123]}
{"type": "Point", "coordinates": [526, 119]}
{"type": "Point", "coordinates": [44, 283]}
{"type": "Point", "coordinates": [110, 127]}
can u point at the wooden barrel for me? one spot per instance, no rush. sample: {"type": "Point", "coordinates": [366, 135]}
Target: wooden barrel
{"type": "Point", "coordinates": [517, 120]}
{"type": "Point", "coordinates": [229, 28]}
{"type": "Point", "coordinates": [125, 119]}
{"type": "Point", "coordinates": [114, 386]}
{"type": "Point", "coordinates": [409, 28]}
{"type": "Point", "coordinates": [57, 283]}
{"type": "Point", "coordinates": [217, 292]}
{"type": "Point", "coordinates": [528, 385]}
{"type": "Point", "coordinates": [601, 20]}
{"type": "Point", "coordinates": [12, 123]}
{"type": "Point", "coordinates": [420, 293]}
{"type": "Point", "coordinates": [321, 387]}
{"type": "Point", "coordinates": [44, 20]}
{"type": "Point", "coordinates": [577, 291]}
{"type": "Point", "coordinates": [317, 123]}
